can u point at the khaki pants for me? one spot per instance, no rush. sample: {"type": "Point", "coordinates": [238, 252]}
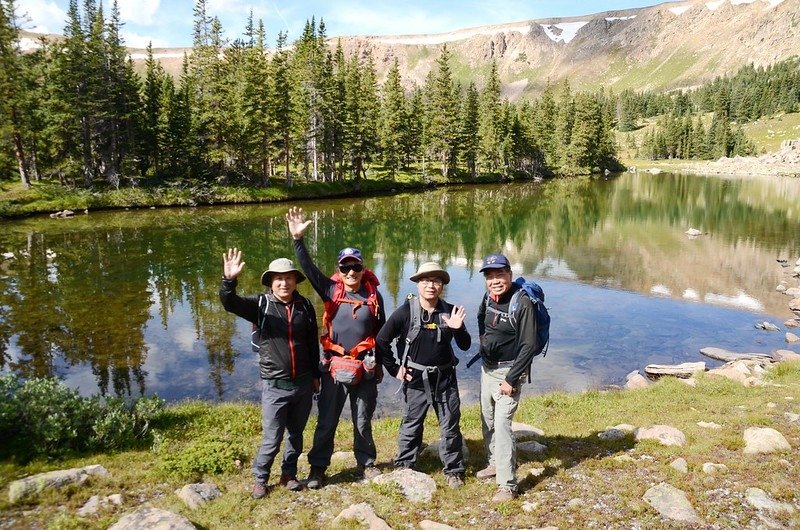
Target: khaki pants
{"type": "Point", "coordinates": [497, 413]}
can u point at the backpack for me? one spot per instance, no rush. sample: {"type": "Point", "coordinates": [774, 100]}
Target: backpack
{"type": "Point", "coordinates": [534, 291]}
{"type": "Point", "coordinates": [338, 298]}
{"type": "Point", "coordinates": [257, 329]}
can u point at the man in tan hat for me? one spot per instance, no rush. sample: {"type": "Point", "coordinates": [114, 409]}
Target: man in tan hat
{"type": "Point", "coordinates": [285, 336]}
{"type": "Point", "coordinates": [424, 327]}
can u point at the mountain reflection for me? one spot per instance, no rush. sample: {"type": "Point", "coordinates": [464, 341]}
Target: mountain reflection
{"type": "Point", "coordinates": [125, 303]}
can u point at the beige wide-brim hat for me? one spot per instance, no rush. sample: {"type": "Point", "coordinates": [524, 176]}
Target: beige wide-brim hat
{"type": "Point", "coordinates": [431, 269]}
{"type": "Point", "coordinates": [280, 266]}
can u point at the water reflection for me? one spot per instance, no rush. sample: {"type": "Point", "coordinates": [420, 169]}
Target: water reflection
{"type": "Point", "coordinates": [126, 303]}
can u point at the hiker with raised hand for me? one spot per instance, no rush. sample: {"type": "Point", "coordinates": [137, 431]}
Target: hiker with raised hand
{"type": "Point", "coordinates": [349, 363]}
{"type": "Point", "coordinates": [424, 327]}
{"type": "Point", "coordinates": [285, 335]}
{"type": "Point", "coordinates": [507, 349]}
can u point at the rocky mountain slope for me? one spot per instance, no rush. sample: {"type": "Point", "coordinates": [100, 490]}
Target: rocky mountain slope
{"type": "Point", "coordinates": [667, 46]}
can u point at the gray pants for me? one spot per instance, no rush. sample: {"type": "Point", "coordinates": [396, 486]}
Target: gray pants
{"type": "Point", "coordinates": [497, 413]}
{"type": "Point", "coordinates": [447, 405]}
{"type": "Point", "coordinates": [281, 410]}
{"type": "Point", "coordinates": [332, 397]}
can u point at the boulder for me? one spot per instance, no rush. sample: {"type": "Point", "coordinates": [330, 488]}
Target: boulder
{"type": "Point", "coordinates": [709, 425]}
{"type": "Point", "coordinates": [29, 486]}
{"type": "Point", "coordinates": [636, 380]}
{"type": "Point", "coordinates": [195, 495]}
{"type": "Point", "coordinates": [154, 518]}
{"type": "Point", "coordinates": [680, 465]}
{"type": "Point", "coordinates": [364, 514]}
{"type": "Point", "coordinates": [531, 447]}
{"type": "Point", "coordinates": [767, 326]}
{"type": "Point", "coordinates": [760, 500]}
{"type": "Point", "coordinates": [415, 486]}
{"type": "Point", "coordinates": [664, 434]}
{"type": "Point", "coordinates": [693, 232]}
{"type": "Point", "coordinates": [785, 355]}
{"type": "Point", "coordinates": [711, 468]}
{"type": "Point", "coordinates": [523, 430]}
{"type": "Point", "coordinates": [791, 338]}
{"type": "Point", "coordinates": [764, 440]}
{"type": "Point", "coordinates": [432, 449]}
{"type": "Point", "coordinates": [671, 503]}
{"type": "Point", "coordinates": [739, 371]}
{"type": "Point", "coordinates": [683, 370]}
{"type": "Point", "coordinates": [728, 356]}
{"type": "Point", "coordinates": [425, 524]}
{"type": "Point", "coordinates": [792, 323]}
{"type": "Point", "coordinates": [792, 291]}
{"type": "Point", "coordinates": [96, 503]}
{"type": "Point", "coordinates": [794, 306]}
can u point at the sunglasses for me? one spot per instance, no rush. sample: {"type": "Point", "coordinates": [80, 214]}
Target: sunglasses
{"type": "Point", "coordinates": [355, 267]}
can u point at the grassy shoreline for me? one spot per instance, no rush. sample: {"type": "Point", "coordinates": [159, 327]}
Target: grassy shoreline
{"type": "Point", "coordinates": [48, 197]}
{"type": "Point", "coordinates": [580, 481]}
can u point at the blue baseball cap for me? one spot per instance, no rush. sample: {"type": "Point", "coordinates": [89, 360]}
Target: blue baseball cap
{"type": "Point", "coordinates": [495, 261]}
{"type": "Point", "coordinates": [349, 253]}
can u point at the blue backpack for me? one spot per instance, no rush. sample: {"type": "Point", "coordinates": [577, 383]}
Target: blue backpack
{"type": "Point", "coordinates": [534, 291]}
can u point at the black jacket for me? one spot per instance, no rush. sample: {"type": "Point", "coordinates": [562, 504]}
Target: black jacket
{"type": "Point", "coordinates": [279, 357]}
{"type": "Point", "coordinates": [501, 342]}
{"type": "Point", "coordinates": [427, 349]}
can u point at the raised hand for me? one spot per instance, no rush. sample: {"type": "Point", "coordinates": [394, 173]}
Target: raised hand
{"type": "Point", "coordinates": [456, 319]}
{"type": "Point", "coordinates": [232, 263]}
{"type": "Point", "coordinates": [297, 223]}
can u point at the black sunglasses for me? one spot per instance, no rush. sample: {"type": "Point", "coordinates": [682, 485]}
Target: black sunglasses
{"type": "Point", "coordinates": [355, 267]}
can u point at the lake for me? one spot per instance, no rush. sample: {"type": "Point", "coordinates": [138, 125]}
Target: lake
{"type": "Point", "coordinates": [125, 303]}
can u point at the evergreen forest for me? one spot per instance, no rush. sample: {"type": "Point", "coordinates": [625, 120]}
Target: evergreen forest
{"type": "Point", "coordinates": [244, 113]}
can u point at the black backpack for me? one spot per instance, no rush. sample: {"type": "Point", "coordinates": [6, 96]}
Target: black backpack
{"type": "Point", "coordinates": [263, 310]}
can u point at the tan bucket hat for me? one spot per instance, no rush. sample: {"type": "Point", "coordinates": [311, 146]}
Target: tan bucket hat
{"type": "Point", "coordinates": [280, 266]}
{"type": "Point", "coordinates": [430, 269]}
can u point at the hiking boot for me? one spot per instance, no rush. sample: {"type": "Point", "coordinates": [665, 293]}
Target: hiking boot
{"type": "Point", "coordinates": [370, 472]}
{"type": "Point", "coordinates": [454, 481]}
{"type": "Point", "coordinates": [259, 490]}
{"type": "Point", "coordinates": [504, 494]}
{"type": "Point", "coordinates": [487, 472]}
{"type": "Point", "coordinates": [291, 483]}
{"type": "Point", "coordinates": [316, 478]}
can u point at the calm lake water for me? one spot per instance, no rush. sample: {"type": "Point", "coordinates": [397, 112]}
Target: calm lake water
{"type": "Point", "coordinates": [125, 303]}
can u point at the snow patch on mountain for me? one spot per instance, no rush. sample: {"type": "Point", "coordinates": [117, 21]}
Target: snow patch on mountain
{"type": "Point", "coordinates": [564, 31]}
{"type": "Point", "coordinates": [612, 19]}
{"type": "Point", "coordinates": [441, 38]}
{"type": "Point", "coordinates": [680, 10]}
{"type": "Point", "coordinates": [26, 44]}
{"type": "Point", "coordinates": [712, 6]}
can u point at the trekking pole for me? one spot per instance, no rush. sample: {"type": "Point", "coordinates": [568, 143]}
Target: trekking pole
{"type": "Point", "coordinates": [474, 359]}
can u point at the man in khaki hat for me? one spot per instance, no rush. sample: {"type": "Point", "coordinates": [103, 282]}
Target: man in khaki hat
{"type": "Point", "coordinates": [285, 336]}
{"type": "Point", "coordinates": [424, 327]}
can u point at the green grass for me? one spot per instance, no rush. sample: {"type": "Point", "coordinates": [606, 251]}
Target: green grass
{"type": "Point", "coordinates": [768, 133]}
{"type": "Point", "coordinates": [49, 196]}
{"type": "Point", "coordinates": [579, 482]}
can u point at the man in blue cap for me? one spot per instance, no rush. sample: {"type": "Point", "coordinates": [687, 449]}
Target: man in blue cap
{"type": "Point", "coordinates": [507, 347]}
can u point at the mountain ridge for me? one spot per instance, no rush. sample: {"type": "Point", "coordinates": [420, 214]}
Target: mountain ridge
{"type": "Point", "coordinates": [667, 46]}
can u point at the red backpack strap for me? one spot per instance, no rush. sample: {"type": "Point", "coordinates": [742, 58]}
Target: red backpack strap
{"type": "Point", "coordinates": [370, 281]}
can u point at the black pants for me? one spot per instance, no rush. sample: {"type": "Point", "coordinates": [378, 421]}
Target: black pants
{"type": "Point", "coordinates": [447, 406]}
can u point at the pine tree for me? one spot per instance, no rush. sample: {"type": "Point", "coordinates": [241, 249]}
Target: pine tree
{"type": "Point", "coordinates": [149, 145]}
{"type": "Point", "coordinates": [489, 132]}
{"type": "Point", "coordinates": [443, 113]}
{"type": "Point", "coordinates": [468, 130]}
{"type": "Point", "coordinates": [393, 120]}
{"type": "Point", "coordinates": [11, 88]}
{"type": "Point", "coordinates": [282, 106]}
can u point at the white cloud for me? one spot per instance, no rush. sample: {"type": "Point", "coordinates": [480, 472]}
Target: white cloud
{"type": "Point", "coordinates": [137, 11]}
{"type": "Point", "coordinates": [41, 16]}
{"type": "Point", "coordinates": [134, 40]}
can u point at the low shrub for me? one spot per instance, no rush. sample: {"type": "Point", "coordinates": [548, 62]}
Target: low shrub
{"type": "Point", "coordinates": [42, 416]}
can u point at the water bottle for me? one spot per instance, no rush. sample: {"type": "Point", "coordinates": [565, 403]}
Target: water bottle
{"type": "Point", "coordinates": [369, 366]}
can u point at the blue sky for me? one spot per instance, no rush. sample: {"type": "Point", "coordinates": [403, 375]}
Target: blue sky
{"type": "Point", "coordinates": [168, 23]}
